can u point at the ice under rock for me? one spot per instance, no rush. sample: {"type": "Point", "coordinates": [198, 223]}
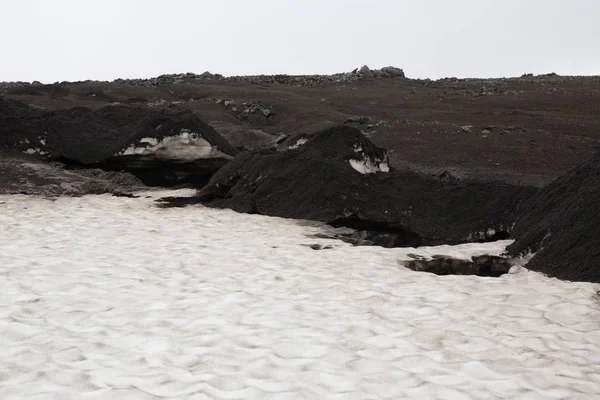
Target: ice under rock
{"type": "Point", "coordinates": [185, 146]}
{"type": "Point", "coordinates": [368, 166]}
{"type": "Point", "coordinates": [37, 150]}
{"type": "Point", "coordinates": [298, 143]}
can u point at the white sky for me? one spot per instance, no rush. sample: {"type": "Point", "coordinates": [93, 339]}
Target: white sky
{"type": "Point", "coordinates": [52, 40]}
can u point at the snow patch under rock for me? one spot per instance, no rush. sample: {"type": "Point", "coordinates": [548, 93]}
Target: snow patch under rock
{"type": "Point", "coordinates": [36, 150]}
{"type": "Point", "coordinates": [298, 143]}
{"type": "Point", "coordinates": [367, 166]}
{"type": "Point", "coordinates": [186, 146]}
{"type": "Point", "coordinates": [357, 148]}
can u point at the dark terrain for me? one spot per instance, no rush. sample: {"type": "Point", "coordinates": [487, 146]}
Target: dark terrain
{"type": "Point", "coordinates": [527, 130]}
{"type": "Point", "coordinates": [465, 159]}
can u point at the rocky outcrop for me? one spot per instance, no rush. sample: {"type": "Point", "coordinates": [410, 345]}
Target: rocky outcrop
{"type": "Point", "coordinates": [22, 173]}
{"type": "Point", "coordinates": [246, 109]}
{"type": "Point", "coordinates": [341, 178]}
{"type": "Point", "coordinates": [486, 265]}
{"type": "Point", "coordinates": [19, 125]}
{"type": "Point", "coordinates": [295, 80]}
{"type": "Point", "coordinates": [162, 147]}
{"type": "Point", "coordinates": [560, 226]}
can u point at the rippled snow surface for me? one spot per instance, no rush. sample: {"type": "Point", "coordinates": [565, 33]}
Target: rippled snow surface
{"type": "Point", "coordinates": [113, 298]}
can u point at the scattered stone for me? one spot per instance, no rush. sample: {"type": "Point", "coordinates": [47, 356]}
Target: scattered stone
{"type": "Point", "coordinates": [390, 72]}
{"type": "Point", "coordinates": [246, 109]}
{"type": "Point", "coordinates": [358, 120]}
{"type": "Point", "coordinates": [318, 246]}
{"type": "Point", "coordinates": [295, 80]}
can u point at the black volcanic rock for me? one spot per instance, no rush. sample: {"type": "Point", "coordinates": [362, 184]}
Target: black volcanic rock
{"type": "Point", "coordinates": [485, 265]}
{"type": "Point", "coordinates": [319, 179]}
{"type": "Point", "coordinates": [29, 174]}
{"type": "Point", "coordinates": [92, 136]}
{"type": "Point", "coordinates": [19, 125]}
{"type": "Point", "coordinates": [561, 226]}
{"type": "Point", "coordinates": [161, 147]}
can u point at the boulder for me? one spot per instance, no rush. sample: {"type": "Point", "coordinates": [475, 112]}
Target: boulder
{"type": "Point", "coordinates": [485, 265]}
{"type": "Point", "coordinates": [366, 72]}
{"type": "Point", "coordinates": [391, 72]}
{"type": "Point", "coordinates": [340, 177]}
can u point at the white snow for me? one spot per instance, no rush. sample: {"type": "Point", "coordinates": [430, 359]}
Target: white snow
{"type": "Point", "coordinates": [367, 166]}
{"type": "Point", "coordinates": [112, 298]}
{"type": "Point", "coordinates": [37, 150]}
{"type": "Point", "coordinates": [298, 143]}
{"type": "Point", "coordinates": [150, 140]}
{"type": "Point", "coordinates": [358, 148]}
{"type": "Point", "coordinates": [185, 146]}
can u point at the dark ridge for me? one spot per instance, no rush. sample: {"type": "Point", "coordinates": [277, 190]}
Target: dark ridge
{"type": "Point", "coordinates": [316, 181]}
{"type": "Point", "coordinates": [561, 225]}
{"type": "Point", "coordinates": [82, 138]}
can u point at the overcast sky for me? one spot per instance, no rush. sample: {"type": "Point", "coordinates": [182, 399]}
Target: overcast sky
{"type": "Point", "coordinates": [55, 40]}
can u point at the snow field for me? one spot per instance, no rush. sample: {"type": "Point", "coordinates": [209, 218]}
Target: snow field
{"type": "Point", "coordinates": [112, 298]}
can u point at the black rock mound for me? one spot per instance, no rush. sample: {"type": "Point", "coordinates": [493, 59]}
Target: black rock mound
{"type": "Point", "coordinates": [561, 226]}
{"type": "Point", "coordinates": [339, 177]}
{"type": "Point", "coordinates": [162, 147]}
{"type": "Point", "coordinates": [19, 125]}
